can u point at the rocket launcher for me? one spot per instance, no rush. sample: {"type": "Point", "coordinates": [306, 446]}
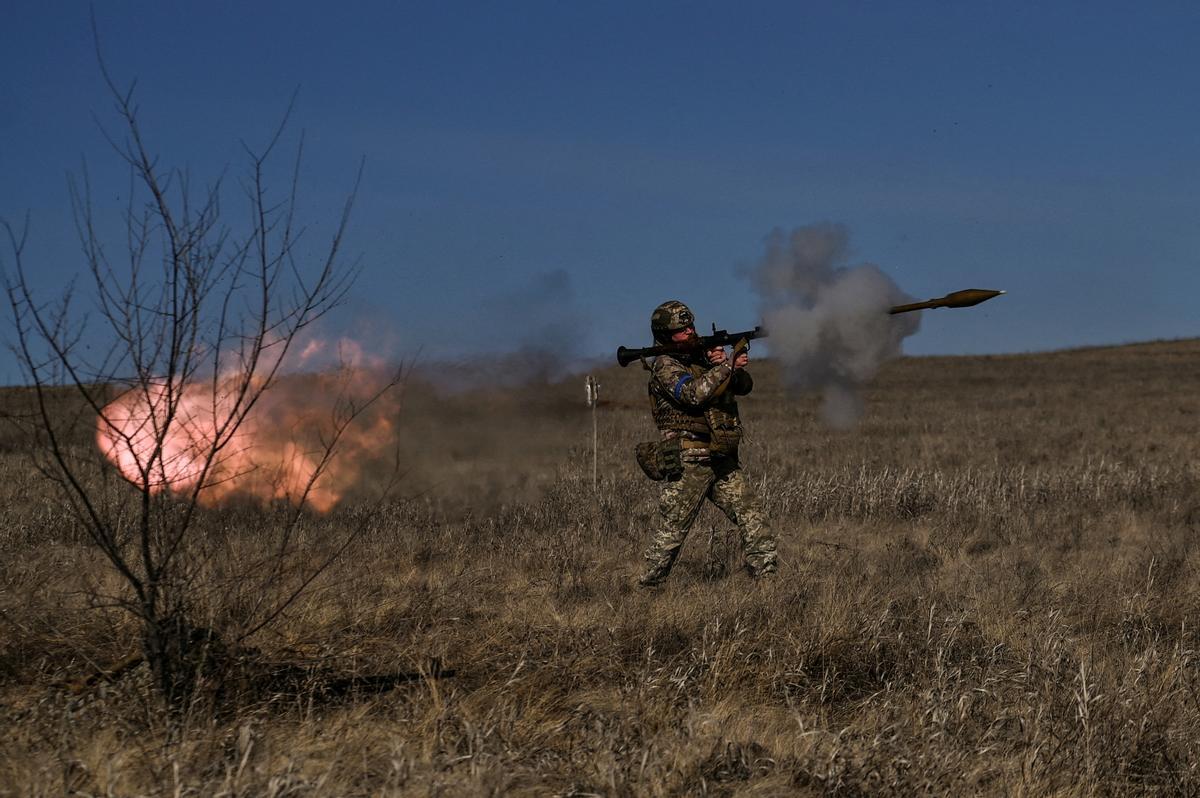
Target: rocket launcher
{"type": "Point", "coordinates": [701, 343]}
{"type": "Point", "coordinates": [740, 340]}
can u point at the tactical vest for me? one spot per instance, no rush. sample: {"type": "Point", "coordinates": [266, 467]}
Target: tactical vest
{"type": "Point", "coordinates": [725, 424]}
{"type": "Point", "coordinates": [716, 421]}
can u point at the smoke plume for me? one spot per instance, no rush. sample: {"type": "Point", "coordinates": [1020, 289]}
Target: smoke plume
{"type": "Point", "coordinates": [828, 320]}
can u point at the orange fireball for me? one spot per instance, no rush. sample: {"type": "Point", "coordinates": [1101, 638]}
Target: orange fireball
{"type": "Point", "coordinates": [184, 437]}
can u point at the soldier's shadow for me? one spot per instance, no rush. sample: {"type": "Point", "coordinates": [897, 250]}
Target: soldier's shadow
{"type": "Point", "coordinates": [331, 685]}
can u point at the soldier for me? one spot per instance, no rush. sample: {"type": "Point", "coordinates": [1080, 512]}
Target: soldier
{"type": "Point", "coordinates": [694, 406]}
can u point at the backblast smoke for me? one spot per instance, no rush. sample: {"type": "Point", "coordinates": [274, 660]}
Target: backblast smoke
{"type": "Point", "coordinates": [828, 321]}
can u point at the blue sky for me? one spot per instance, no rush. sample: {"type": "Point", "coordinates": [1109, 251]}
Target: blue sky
{"type": "Point", "coordinates": [583, 162]}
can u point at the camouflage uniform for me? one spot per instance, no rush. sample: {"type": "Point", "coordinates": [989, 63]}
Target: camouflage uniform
{"type": "Point", "coordinates": [695, 401]}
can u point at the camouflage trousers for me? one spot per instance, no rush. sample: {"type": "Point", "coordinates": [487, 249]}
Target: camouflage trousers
{"type": "Point", "coordinates": [724, 484]}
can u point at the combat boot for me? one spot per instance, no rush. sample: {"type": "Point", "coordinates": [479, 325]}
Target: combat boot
{"type": "Point", "coordinates": [653, 578]}
{"type": "Point", "coordinates": [765, 571]}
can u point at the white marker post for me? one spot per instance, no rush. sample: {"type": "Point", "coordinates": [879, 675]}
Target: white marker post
{"type": "Point", "coordinates": [593, 399]}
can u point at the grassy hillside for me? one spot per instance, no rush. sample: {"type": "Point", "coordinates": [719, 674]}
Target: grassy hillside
{"type": "Point", "coordinates": [988, 586]}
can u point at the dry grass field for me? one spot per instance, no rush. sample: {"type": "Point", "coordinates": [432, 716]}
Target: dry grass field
{"type": "Point", "coordinates": [989, 586]}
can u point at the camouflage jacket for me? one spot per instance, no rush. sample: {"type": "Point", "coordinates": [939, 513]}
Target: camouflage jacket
{"type": "Point", "coordinates": [686, 400]}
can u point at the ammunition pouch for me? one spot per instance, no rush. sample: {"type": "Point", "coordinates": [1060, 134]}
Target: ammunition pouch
{"type": "Point", "coordinates": [661, 460]}
{"type": "Point", "coordinates": [725, 432]}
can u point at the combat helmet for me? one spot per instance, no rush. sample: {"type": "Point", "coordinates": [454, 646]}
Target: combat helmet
{"type": "Point", "coordinates": [670, 317]}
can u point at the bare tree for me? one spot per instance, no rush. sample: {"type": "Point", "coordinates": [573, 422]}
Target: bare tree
{"type": "Point", "coordinates": [194, 323]}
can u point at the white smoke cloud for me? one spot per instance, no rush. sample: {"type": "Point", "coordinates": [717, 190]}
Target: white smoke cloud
{"type": "Point", "coordinates": [828, 320]}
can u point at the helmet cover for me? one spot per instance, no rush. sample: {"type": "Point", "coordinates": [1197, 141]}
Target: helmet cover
{"type": "Point", "coordinates": [670, 317]}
